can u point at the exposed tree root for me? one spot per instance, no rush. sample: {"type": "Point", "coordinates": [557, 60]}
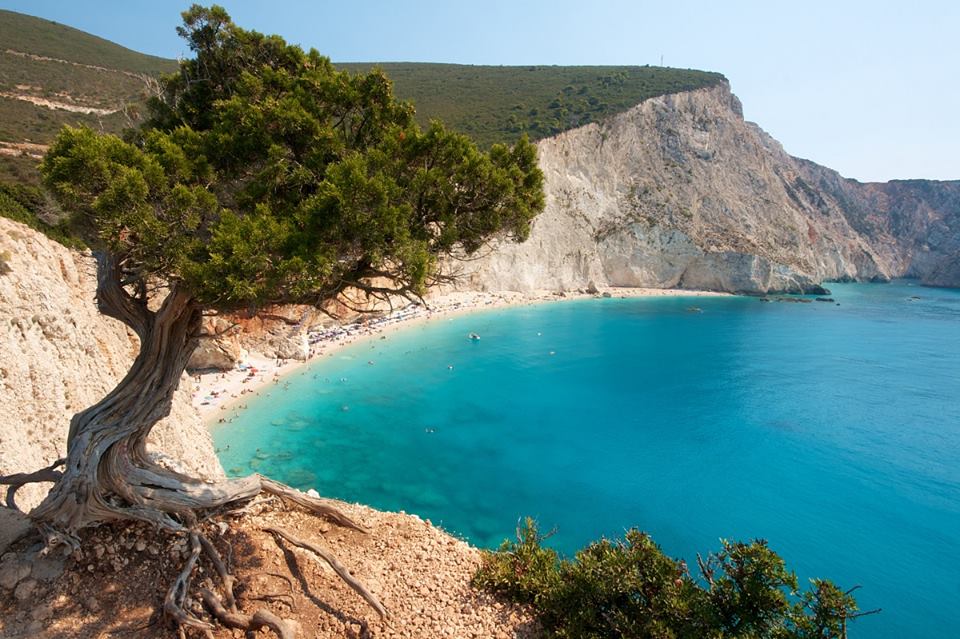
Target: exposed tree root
{"type": "Point", "coordinates": [285, 628]}
{"type": "Point", "coordinates": [178, 499]}
{"type": "Point", "coordinates": [338, 568]}
{"type": "Point", "coordinates": [315, 505]}
{"type": "Point", "coordinates": [177, 601]}
{"type": "Point", "coordinates": [229, 581]}
{"type": "Point", "coordinates": [108, 476]}
{"type": "Point", "coordinates": [21, 479]}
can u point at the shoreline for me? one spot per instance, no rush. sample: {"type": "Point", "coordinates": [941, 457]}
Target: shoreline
{"type": "Point", "coordinates": [218, 394]}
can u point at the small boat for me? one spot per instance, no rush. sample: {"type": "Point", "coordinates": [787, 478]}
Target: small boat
{"type": "Point", "coordinates": [474, 336]}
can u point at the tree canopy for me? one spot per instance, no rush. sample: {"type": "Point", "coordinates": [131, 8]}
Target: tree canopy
{"type": "Point", "coordinates": [265, 175]}
{"type": "Point", "coordinates": [262, 175]}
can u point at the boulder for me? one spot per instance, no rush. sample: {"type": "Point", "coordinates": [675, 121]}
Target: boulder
{"type": "Point", "coordinates": [295, 346]}
{"type": "Point", "coordinates": [219, 348]}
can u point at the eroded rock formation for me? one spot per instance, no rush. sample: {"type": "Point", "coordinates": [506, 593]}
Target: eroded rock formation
{"type": "Point", "coordinates": [680, 191]}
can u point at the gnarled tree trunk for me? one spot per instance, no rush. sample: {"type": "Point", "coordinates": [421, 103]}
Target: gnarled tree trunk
{"type": "Point", "coordinates": [108, 476]}
{"type": "Point", "coordinates": [107, 473]}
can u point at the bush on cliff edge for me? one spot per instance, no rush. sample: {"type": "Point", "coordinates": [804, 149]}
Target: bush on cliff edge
{"type": "Point", "coordinates": [628, 588]}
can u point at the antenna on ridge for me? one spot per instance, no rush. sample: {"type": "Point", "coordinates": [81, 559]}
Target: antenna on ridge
{"type": "Point", "coordinates": [661, 59]}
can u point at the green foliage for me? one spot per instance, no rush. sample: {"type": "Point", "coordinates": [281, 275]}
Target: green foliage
{"type": "Point", "coordinates": [490, 104]}
{"type": "Point", "coordinates": [524, 570]}
{"type": "Point", "coordinates": [497, 103]}
{"type": "Point", "coordinates": [265, 175]}
{"type": "Point", "coordinates": [822, 612]}
{"type": "Point", "coordinates": [625, 588]}
{"type": "Point", "coordinates": [748, 588]}
{"type": "Point", "coordinates": [629, 589]}
{"type": "Point", "coordinates": [27, 204]}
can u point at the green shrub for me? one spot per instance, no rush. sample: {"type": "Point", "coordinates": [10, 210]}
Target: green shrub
{"type": "Point", "coordinates": [629, 589]}
{"type": "Point", "coordinates": [623, 588]}
{"type": "Point", "coordinates": [522, 570]}
{"type": "Point", "coordinates": [23, 203]}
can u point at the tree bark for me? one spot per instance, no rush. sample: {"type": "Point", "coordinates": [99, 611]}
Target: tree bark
{"type": "Point", "coordinates": [108, 474]}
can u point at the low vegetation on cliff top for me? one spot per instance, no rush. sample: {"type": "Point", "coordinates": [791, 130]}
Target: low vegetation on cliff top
{"type": "Point", "coordinates": [491, 104]}
{"type": "Point", "coordinates": [498, 103]}
{"type": "Point", "coordinates": [630, 589]}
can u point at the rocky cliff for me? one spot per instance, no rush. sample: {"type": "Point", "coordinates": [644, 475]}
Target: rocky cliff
{"type": "Point", "coordinates": [680, 191]}
{"type": "Point", "coordinates": [58, 355]}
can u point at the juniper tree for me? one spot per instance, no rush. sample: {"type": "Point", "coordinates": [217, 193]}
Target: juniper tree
{"type": "Point", "coordinates": [262, 176]}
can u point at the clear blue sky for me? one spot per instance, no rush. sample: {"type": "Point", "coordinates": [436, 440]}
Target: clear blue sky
{"type": "Point", "coordinates": [871, 89]}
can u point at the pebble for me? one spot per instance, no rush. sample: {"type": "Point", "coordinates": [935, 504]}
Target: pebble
{"type": "Point", "coordinates": [91, 604]}
{"type": "Point", "coordinates": [25, 589]}
{"type": "Point", "coordinates": [12, 571]}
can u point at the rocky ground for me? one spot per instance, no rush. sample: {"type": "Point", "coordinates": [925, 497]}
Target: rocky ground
{"type": "Point", "coordinates": [115, 585]}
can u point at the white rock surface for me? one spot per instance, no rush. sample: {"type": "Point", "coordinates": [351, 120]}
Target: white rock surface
{"type": "Point", "coordinates": [58, 355]}
{"type": "Point", "coordinates": [220, 348]}
{"type": "Point", "coordinates": [680, 191]}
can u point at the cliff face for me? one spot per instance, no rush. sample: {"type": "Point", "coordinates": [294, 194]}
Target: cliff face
{"type": "Point", "coordinates": [58, 355]}
{"type": "Point", "coordinates": [680, 191]}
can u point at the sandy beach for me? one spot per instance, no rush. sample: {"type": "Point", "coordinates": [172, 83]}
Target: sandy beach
{"type": "Point", "coordinates": [216, 393]}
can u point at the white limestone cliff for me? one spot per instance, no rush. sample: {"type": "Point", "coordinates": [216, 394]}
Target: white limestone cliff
{"type": "Point", "coordinates": [680, 191]}
{"type": "Point", "coordinates": [58, 355]}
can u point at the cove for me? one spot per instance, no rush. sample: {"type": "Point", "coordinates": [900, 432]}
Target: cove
{"type": "Point", "coordinates": [833, 431]}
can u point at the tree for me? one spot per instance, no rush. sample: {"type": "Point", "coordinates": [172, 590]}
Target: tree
{"type": "Point", "coordinates": [262, 176]}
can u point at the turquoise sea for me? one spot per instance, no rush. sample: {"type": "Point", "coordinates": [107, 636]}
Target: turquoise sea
{"type": "Point", "coordinates": [831, 430]}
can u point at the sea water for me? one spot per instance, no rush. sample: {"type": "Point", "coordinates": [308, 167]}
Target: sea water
{"type": "Point", "coordinates": [830, 429]}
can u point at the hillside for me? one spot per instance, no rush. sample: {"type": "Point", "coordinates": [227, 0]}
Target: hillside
{"type": "Point", "coordinates": [654, 179]}
{"type": "Point", "coordinates": [51, 75]}
{"type": "Point", "coordinates": [498, 103]}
